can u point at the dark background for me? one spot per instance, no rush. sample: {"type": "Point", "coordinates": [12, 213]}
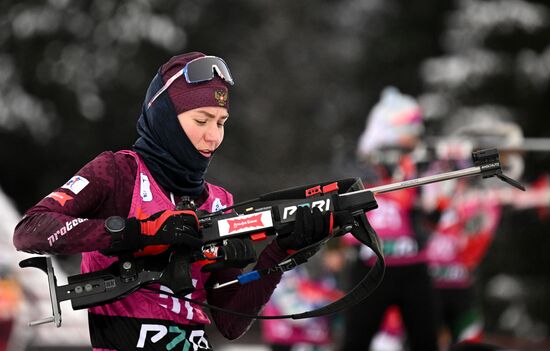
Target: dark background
{"type": "Point", "coordinates": [73, 77]}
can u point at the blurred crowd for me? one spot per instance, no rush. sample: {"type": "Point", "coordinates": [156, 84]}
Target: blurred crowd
{"type": "Point", "coordinates": [434, 238]}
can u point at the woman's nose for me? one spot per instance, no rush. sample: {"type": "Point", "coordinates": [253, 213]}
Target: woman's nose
{"type": "Point", "coordinates": [213, 133]}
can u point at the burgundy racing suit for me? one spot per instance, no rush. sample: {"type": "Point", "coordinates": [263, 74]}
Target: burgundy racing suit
{"type": "Point", "coordinates": [70, 220]}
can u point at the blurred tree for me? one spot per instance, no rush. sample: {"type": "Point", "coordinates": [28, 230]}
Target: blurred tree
{"type": "Point", "coordinates": [496, 61]}
{"type": "Point", "coordinates": [307, 73]}
{"type": "Point", "coordinates": [74, 76]}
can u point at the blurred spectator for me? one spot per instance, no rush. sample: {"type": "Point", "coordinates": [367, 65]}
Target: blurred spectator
{"type": "Point", "coordinates": [393, 129]}
{"type": "Point", "coordinates": [391, 336]}
{"type": "Point", "coordinates": [305, 288]}
{"type": "Point", "coordinates": [10, 303]}
{"type": "Point", "coordinates": [471, 215]}
{"type": "Point", "coordinates": [456, 248]}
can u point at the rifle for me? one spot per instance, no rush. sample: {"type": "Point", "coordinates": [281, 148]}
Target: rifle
{"type": "Point", "coordinates": [271, 212]}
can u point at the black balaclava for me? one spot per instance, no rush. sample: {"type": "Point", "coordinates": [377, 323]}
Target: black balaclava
{"type": "Point", "coordinates": [165, 148]}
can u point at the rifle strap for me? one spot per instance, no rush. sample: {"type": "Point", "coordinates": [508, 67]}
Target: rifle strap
{"type": "Point", "coordinates": [362, 231]}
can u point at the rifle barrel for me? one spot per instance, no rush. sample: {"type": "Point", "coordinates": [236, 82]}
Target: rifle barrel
{"type": "Point", "coordinates": [420, 181]}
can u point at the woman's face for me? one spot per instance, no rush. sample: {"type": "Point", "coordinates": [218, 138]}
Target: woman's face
{"type": "Point", "coordinates": [204, 127]}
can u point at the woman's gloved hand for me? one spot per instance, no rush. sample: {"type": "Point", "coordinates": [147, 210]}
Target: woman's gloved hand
{"type": "Point", "coordinates": [235, 253]}
{"type": "Point", "coordinates": [162, 228]}
{"type": "Point", "coordinates": [310, 226]}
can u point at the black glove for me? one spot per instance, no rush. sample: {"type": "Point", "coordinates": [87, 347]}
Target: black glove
{"type": "Point", "coordinates": [236, 253]}
{"type": "Point", "coordinates": [310, 226]}
{"type": "Point", "coordinates": [162, 228]}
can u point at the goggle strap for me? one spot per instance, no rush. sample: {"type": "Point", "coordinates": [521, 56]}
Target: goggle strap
{"type": "Point", "coordinates": [165, 86]}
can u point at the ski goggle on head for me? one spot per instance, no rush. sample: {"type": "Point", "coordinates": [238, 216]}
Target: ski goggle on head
{"type": "Point", "coordinates": [199, 70]}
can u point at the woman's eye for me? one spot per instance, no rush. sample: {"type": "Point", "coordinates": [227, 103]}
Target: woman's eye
{"type": "Point", "coordinates": [200, 122]}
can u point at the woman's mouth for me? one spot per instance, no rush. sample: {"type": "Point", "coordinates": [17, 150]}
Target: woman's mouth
{"type": "Point", "coordinates": [206, 153]}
